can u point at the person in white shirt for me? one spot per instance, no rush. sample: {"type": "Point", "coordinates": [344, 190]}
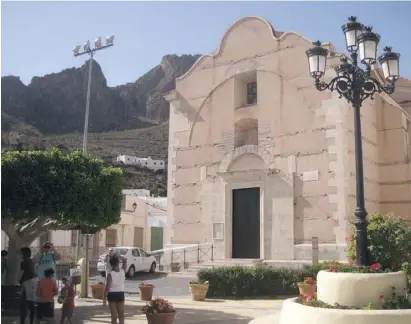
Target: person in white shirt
{"type": "Point", "coordinates": [114, 292]}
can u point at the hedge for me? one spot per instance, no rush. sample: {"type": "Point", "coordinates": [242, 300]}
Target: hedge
{"type": "Point", "coordinates": [240, 281]}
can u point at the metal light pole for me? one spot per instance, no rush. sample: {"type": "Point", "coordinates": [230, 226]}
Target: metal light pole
{"type": "Point", "coordinates": [90, 51]}
{"type": "Point", "coordinates": [356, 85]}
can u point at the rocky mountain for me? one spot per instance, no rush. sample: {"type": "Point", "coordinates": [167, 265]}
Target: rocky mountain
{"type": "Point", "coordinates": [55, 103]}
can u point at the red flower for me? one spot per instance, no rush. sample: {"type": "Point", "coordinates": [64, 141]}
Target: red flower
{"type": "Point", "coordinates": [332, 268]}
{"type": "Point", "coordinates": [309, 280]}
{"type": "Point", "coordinates": [375, 266]}
{"type": "Point", "coordinates": [381, 298]}
{"type": "Point", "coordinates": [393, 266]}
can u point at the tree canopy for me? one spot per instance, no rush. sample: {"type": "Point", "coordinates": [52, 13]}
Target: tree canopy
{"type": "Point", "coordinates": [48, 190]}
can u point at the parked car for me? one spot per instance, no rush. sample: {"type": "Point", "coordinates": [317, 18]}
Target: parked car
{"type": "Point", "coordinates": [137, 260]}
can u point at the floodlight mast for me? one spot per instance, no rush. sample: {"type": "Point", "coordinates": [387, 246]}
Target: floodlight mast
{"type": "Point", "coordinates": [90, 51]}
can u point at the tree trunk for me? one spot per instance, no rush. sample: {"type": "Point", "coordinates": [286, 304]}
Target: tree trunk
{"type": "Point", "coordinates": [13, 262]}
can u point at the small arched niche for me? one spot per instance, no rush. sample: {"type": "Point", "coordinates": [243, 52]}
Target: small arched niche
{"type": "Point", "coordinates": [246, 132]}
{"type": "Point", "coordinates": [245, 162]}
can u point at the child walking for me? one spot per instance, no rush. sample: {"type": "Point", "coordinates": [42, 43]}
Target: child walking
{"type": "Point", "coordinates": [114, 292]}
{"type": "Point", "coordinates": [66, 298]}
{"type": "Point", "coordinates": [46, 290]}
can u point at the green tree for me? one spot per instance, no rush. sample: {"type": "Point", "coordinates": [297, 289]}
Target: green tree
{"type": "Point", "coordinates": [389, 240]}
{"type": "Point", "coordinates": [49, 190]}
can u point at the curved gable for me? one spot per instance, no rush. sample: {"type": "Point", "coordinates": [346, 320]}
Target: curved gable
{"type": "Point", "coordinates": [256, 31]}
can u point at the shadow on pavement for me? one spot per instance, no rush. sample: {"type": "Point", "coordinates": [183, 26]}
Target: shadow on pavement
{"type": "Point", "coordinates": [100, 314]}
{"type": "Point", "coordinates": [141, 276]}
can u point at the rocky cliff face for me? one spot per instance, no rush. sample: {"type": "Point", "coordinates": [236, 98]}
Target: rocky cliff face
{"type": "Point", "coordinates": [55, 103]}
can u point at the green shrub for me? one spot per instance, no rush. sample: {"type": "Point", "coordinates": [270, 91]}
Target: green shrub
{"type": "Point", "coordinates": [260, 281]}
{"type": "Point", "coordinates": [406, 267]}
{"type": "Point", "coordinates": [389, 240]}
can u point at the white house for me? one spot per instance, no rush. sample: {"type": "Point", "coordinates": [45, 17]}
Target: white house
{"type": "Point", "coordinates": [136, 192]}
{"type": "Point", "coordinates": [143, 162]}
{"type": "Point", "coordinates": [143, 223]}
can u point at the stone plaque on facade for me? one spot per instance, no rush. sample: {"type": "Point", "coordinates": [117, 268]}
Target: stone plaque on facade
{"type": "Point", "coordinates": [218, 231]}
{"type": "Point", "coordinates": [311, 175]}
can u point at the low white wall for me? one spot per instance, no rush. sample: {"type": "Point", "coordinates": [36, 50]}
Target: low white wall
{"type": "Point", "coordinates": [295, 313]}
{"type": "Point", "coordinates": [358, 289]}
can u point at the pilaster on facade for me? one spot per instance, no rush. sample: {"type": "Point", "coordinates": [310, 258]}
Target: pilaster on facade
{"type": "Point", "coordinates": [339, 176]}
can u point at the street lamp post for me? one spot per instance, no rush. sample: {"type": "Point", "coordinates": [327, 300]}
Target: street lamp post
{"type": "Point", "coordinates": [355, 85]}
{"type": "Point", "coordinates": [90, 51]}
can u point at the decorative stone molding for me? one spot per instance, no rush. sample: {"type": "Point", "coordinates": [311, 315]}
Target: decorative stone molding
{"type": "Point", "coordinates": [243, 67]}
{"type": "Point", "coordinates": [245, 149]}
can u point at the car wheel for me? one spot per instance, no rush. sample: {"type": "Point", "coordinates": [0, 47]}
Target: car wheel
{"type": "Point", "coordinates": [103, 274]}
{"type": "Point", "coordinates": [153, 267]}
{"type": "Point", "coordinates": [131, 271]}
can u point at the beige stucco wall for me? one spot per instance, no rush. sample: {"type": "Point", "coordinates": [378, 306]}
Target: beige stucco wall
{"type": "Point", "coordinates": [302, 159]}
{"type": "Point", "coordinates": [131, 219]}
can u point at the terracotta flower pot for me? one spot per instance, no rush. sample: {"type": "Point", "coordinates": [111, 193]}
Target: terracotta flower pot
{"type": "Point", "coordinates": [308, 302]}
{"type": "Point", "coordinates": [307, 289]}
{"type": "Point", "coordinates": [175, 267]}
{"type": "Point", "coordinates": [146, 292]}
{"type": "Point", "coordinates": [161, 318]}
{"type": "Point", "coordinates": [97, 291]}
{"type": "Point", "coordinates": [198, 291]}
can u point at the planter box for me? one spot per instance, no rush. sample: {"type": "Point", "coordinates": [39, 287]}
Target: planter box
{"type": "Point", "coordinates": [308, 289]}
{"type": "Point", "coordinates": [358, 289]}
{"type": "Point", "coordinates": [175, 267]}
{"type": "Point", "coordinates": [295, 313]}
{"type": "Point", "coordinates": [198, 291]}
{"type": "Point", "coordinates": [161, 318]}
{"type": "Point", "coordinates": [146, 292]}
{"type": "Point", "coordinates": [97, 291]}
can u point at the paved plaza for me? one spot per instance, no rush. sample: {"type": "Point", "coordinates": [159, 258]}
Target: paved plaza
{"type": "Point", "coordinates": [165, 284]}
{"type": "Point", "coordinates": [188, 311]}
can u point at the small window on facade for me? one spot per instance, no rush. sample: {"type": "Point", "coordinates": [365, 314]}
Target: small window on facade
{"type": "Point", "coordinates": [251, 93]}
{"type": "Point", "coordinates": [154, 163]}
{"type": "Point", "coordinates": [146, 163]}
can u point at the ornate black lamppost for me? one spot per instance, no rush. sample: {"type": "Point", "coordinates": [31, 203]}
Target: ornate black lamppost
{"type": "Point", "coordinates": [356, 85]}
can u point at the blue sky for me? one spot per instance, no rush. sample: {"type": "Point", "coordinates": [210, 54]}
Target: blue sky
{"type": "Point", "coordinates": [37, 37]}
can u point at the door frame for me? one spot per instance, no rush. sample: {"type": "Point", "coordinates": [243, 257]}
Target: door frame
{"type": "Point", "coordinates": [241, 180]}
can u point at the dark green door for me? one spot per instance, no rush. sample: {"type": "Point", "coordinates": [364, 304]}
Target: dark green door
{"type": "Point", "coordinates": [156, 238]}
{"type": "Point", "coordinates": [246, 223]}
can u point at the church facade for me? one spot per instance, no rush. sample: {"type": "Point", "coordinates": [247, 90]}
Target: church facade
{"type": "Point", "coordinates": [260, 162]}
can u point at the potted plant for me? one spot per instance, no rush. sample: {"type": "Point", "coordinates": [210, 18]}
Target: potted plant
{"type": "Point", "coordinates": [97, 290]}
{"type": "Point", "coordinates": [307, 287]}
{"type": "Point", "coordinates": [159, 311]}
{"type": "Point", "coordinates": [198, 290]}
{"type": "Point", "coordinates": [146, 291]}
{"type": "Point", "coordinates": [175, 266]}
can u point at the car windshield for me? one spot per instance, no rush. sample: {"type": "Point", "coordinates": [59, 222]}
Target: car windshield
{"type": "Point", "coordinates": [121, 251]}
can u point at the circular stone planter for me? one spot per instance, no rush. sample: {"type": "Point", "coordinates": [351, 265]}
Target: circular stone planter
{"type": "Point", "coordinates": [358, 289]}
{"type": "Point", "coordinates": [295, 313]}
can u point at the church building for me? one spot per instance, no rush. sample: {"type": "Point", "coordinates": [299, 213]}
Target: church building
{"type": "Point", "coordinates": [260, 161]}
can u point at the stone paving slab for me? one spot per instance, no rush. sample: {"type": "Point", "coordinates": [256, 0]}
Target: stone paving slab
{"type": "Point", "coordinates": [188, 311]}
{"type": "Point", "coordinates": [268, 319]}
